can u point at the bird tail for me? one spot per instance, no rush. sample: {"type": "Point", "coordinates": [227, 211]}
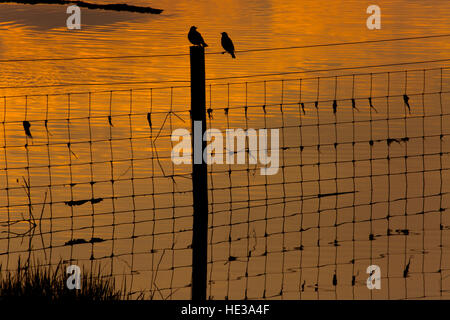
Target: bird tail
{"type": "Point", "coordinates": [233, 55]}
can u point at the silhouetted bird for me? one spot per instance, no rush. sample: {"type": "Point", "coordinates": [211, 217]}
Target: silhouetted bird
{"type": "Point", "coordinates": [196, 38]}
{"type": "Point", "coordinates": [227, 44]}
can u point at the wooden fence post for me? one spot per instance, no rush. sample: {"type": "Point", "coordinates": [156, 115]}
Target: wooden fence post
{"type": "Point", "coordinates": [199, 175]}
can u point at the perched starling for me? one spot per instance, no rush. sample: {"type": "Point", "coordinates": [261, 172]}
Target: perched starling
{"type": "Point", "coordinates": [227, 44]}
{"type": "Point", "coordinates": [196, 38]}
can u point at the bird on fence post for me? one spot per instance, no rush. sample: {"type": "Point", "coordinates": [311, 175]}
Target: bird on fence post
{"type": "Point", "coordinates": [227, 44]}
{"type": "Point", "coordinates": [196, 38]}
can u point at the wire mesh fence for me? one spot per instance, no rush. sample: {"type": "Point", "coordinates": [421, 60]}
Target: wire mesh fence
{"type": "Point", "coordinates": [362, 181]}
{"type": "Point", "coordinates": [88, 181]}
{"type": "Point", "coordinates": [87, 178]}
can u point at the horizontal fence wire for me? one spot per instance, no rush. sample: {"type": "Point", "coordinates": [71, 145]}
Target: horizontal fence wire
{"type": "Point", "coordinates": [430, 36]}
{"type": "Point", "coordinates": [362, 174]}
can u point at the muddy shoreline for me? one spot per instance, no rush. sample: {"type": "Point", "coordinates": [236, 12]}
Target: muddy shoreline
{"type": "Point", "coordinates": [93, 6]}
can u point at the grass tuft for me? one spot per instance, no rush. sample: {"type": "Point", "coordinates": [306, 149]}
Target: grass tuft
{"type": "Point", "coordinates": [46, 283]}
